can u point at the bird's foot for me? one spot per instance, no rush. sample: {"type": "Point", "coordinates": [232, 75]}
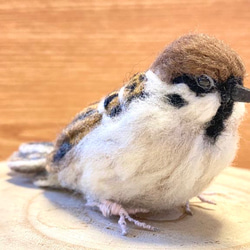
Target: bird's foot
{"type": "Point", "coordinates": [109, 208]}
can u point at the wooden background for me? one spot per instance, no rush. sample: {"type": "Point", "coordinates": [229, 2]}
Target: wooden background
{"type": "Point", "coordinates": [58, 56]}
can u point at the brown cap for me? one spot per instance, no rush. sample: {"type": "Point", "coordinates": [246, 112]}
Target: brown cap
{"type": "Point", "coordinates": [198, 54]}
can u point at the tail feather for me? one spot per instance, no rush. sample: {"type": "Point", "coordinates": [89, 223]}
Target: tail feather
{"type": "Point", "coordinates": [30, 157]}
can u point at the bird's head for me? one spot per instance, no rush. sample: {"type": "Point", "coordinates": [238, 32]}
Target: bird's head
{"type": "Point", "coordinates": [205, 78]}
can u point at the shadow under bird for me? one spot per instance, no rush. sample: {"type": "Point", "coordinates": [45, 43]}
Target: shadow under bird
{"type": "Point", "coordinates": [156, 142]}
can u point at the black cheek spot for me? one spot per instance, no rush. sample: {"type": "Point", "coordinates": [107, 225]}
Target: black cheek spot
{"type": "Point", "coordinates": [175, 100]}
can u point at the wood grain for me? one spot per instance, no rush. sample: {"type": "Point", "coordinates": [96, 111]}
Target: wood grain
{"type": "Point", "coordinates": [52, 219]}
{"type": "Point", "coordinates": [58, 56]}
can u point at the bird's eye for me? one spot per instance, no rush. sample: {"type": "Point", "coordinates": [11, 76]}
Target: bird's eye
{"type": "Point", "coordinates": [205, 82]}
{"type": "Point", "coordinates": [199, 84]}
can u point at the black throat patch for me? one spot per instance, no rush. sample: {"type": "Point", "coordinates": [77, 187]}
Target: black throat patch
{"type": "Point", "coordinates": [217, 124]}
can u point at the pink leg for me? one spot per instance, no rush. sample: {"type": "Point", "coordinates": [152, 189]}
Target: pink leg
{"type": "Point", "coordinates": [109, 208]}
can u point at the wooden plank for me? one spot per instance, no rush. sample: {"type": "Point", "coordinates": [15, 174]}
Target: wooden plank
{"type": "Point", "coordinates": [58, 56]}
{"type": "Point", "coordinates": [45, 219]}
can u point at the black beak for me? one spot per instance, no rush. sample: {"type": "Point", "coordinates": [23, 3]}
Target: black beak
{"type": "Point", "coordinates": [240, 94]}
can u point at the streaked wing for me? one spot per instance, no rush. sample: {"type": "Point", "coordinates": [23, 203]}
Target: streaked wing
{"type": "Point", "coordinates": [84, 122]}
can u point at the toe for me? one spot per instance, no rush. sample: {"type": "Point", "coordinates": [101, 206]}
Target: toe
{"type": "Point", "coordinates": [202, 199]}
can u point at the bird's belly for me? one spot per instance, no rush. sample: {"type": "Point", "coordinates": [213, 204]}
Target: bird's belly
{"type": "Point", "coordinates": [145, 171]}
{"type": "Point", "coordinates": [154, 180]}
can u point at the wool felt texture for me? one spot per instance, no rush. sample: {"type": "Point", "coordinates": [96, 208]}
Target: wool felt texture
{"type": "Point", "coordinates": [160, 139]}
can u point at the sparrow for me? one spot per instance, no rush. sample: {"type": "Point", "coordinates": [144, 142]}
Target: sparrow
{"type": "Point", "coordinates": [154, 143]}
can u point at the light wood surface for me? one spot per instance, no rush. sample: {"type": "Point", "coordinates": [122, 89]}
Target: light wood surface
{"type": "Point", "coordinates": [33, 218]}
{"type": "Point", "coordinates": [58, 56]}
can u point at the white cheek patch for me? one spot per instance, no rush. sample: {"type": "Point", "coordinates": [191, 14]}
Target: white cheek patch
{"type": "Point", "coordinates": [181, 98]}
{"type": "Point", "coordinates": [206, 107]}
{"type": "Point", "coordinates": [199, 108]}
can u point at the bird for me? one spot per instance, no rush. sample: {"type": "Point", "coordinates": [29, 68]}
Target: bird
{"type": "Point", "coordinates": [156, 142]}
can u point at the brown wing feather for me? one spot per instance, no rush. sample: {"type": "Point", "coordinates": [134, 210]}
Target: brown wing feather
{"type": "Point", "coordinates": [135, 88]}
{"type": "Point", "coordinates": [90, 117]}
{"type": "Point", "coordinates": [81, 125]}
